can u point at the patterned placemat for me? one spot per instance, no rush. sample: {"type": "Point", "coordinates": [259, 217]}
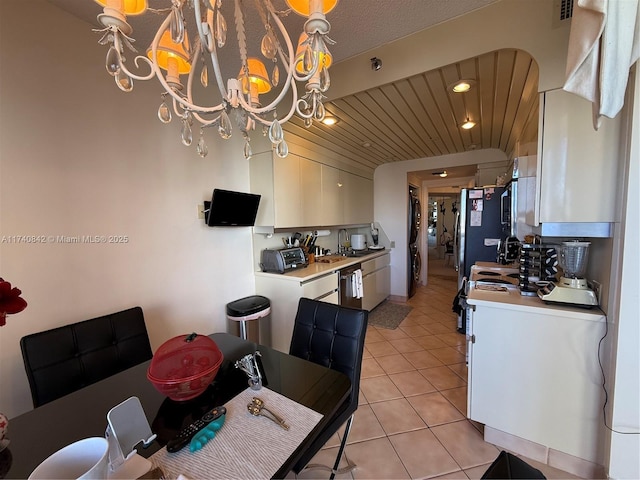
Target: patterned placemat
{"type": "Point", "coordinates": [246, 447]}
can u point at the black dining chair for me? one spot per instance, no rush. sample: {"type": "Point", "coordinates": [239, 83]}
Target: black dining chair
{"type": "Point", "coordinates": [64, 359]}
{"type": "Point", "coordinates": [331, 336]}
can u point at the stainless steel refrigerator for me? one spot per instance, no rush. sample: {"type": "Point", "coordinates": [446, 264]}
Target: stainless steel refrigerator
{"type": "Point", "coordinates": [479, 228]}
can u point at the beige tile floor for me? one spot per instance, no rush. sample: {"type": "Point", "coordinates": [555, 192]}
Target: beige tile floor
{"type": "Point", "coordinates": [411, 421]}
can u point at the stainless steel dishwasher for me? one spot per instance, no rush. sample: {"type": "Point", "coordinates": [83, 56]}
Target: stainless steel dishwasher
{"type": "Point", "coordinates": [347, 292]}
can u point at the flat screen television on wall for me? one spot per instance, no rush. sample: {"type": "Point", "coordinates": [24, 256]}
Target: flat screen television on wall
{"type": "Point", "coordinates": [232, 209]}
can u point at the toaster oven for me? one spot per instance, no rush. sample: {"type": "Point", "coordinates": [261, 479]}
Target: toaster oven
{"type": "Point", "coordinates": [282, 260]}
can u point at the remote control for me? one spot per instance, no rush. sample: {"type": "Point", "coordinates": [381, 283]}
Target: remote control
{"type": "Point", "coordinates": [186, 434]}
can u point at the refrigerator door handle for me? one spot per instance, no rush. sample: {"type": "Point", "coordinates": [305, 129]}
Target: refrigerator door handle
{"type": "Point", "coordinates": [503, 212]}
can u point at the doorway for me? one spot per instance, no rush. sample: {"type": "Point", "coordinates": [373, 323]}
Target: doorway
{"type": "Point", "coordinates": [441, 217]}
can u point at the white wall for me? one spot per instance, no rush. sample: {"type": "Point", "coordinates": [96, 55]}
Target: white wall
{"type": "Point", "coordinates": [80, 157]}
{"type": "Point", "coordinates": [390, 204]}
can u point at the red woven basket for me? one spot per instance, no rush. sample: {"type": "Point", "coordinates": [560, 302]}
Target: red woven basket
{"type": "Point", "coordinates": [184, 366]}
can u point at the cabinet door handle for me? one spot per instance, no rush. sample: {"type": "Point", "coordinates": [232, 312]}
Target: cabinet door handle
{"type": "Point", "coordinates": [472, 338]}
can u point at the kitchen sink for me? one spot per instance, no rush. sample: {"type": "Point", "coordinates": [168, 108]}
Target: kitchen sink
{"type": "Point", "coordinates": [356, 253]}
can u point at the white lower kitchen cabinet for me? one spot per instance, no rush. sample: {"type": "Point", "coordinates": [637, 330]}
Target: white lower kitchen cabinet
{"type": "Point", "coordinates": [534, 372]}
{"type": "Point", "coordinates": [284, 292]}
{"type": "Point", "coordinates": [376, 281]}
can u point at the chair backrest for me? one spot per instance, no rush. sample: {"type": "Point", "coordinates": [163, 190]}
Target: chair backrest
{"type": "Point", "coordinates": [64, 359]}
{"type": "Point", "coordinates": [332, 336]}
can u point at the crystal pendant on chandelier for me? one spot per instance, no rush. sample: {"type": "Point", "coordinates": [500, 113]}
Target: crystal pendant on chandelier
{"type": "Point", "coordinates": [268, 46]}
{"type": "Point", "coordinates": [308, 59]}
{"type": "Point", "coordinates": [204, 76]}
{"type": "Point", "coordinates": [282, 149]}
{"type": "Point", "coordinates": [112, 62]}
{"type": "Point", "coordinates": [220, 30]}
{"type": "Point", "coordinates": [201, 147]}
{"type": "Point", "coordinates": [224, 129]}
{"type": "Point", "coordinates": [186, 134]}
{"type": "Point", "coordinates": [276, 134]}
{"type": "Point", "coordinates": [275, 76]}
{"type": "Point", "coordinates": [164, 113]}
{"type": "Point", "coordinates": [319, 112]}
{"type": "Point", "coordinates": [325, 81]}
{"type": "Point", "coordinates": [177, 25]}
{"type": "Point", "coordinates": [124, 81]}
{"type": "Point", "coordinates": [247, 149]}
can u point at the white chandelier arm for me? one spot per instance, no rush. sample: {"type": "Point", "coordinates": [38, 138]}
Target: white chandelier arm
{"type": "Point", "coordinates": [205, 36]}
{"type": "Point", "coordinates": [197, 115]}
{"type": "Point", "coordinates": [300, 112]}
{"type": "Point", "coordinates": [254, 112]}
{"type": "Point", "coordinates": [291, 66]}
{"type": "Point", "coordinates": [178, 108]}
{"type": "Point", "coordinates": [189, 96]}
{"type": "Point", "coordinates": [211, 46]}
{"type": "Point", "coordinates": [186, 104]}
{"type": "Point", "coordinates": [283, 58]}
{"type": "Point", "coordinates": [117, 43]}
{"type": "Point", "coordinates": [204, 121]}
{"type": "Point", "coordinates": [289, 82]}
{"type": "Point", "coordinates": [294, 102]}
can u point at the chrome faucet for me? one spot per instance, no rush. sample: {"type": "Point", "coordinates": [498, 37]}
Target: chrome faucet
{"type": "Point", "coordinates": [341, 241]}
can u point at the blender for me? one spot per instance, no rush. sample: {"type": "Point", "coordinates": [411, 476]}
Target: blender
{"type": "Point", "coordinates": [572, 289]}
{"type": "Point", "coordinates": [374, 237]}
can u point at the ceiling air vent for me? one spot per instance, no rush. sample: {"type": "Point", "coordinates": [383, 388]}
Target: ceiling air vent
{"type": "Point", "coordinates": [562, 11]}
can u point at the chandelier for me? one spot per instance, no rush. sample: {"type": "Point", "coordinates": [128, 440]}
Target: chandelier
{"type": "Point", "coordinates": [185, 45]}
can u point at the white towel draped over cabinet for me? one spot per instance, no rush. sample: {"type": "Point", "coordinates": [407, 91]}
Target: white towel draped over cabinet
{"type": "Point", "coordinates": [603, 45]}
{"type": "Point", "coordinates": [357, 290]}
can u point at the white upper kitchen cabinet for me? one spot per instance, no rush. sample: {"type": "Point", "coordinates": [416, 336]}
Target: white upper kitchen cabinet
{"type": "Point", "coordinates": [277, 180]}
{"type": "Point", "coordinates": [332, 199]}
{"type": "Point", "coordinates": [358, 199]}
{"type": "Point", "coordinates": [347, 199]}
{"type": "Point", "coordinates": [311, 191]}
{"type": "Point", "coordinates": [577, 166]}
{"type": "Point", "coordinates": [298, 192]}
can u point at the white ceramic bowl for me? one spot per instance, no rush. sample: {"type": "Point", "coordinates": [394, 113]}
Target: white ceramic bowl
{"type": "Point", "coordinates": [86, 459]}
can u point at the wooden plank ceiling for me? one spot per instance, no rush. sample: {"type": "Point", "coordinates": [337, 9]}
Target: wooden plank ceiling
{"type": "Point", "coordinates": [420, 116]}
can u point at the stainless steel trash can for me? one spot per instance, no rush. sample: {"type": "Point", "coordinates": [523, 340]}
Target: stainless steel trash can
{"type": "Point", "coordinates": [249, 318]}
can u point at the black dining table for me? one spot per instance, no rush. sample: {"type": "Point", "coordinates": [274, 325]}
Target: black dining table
{"type": "Point", "coordinates": [40, 432]}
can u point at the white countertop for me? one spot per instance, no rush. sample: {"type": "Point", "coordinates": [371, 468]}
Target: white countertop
{"type": "Point", "coordinates": [318, 269]}
{"type": "Point", "coordinates": [512, 300]}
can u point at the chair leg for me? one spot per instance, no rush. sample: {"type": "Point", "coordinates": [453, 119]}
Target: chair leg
{"type": "Point", "coordinates": [336, 467]}
{"type": "Point", "coordinates": [343, 444]}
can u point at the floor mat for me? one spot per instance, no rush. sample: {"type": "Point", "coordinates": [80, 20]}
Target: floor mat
{"type": "Point", "coordinates": [388, 315]}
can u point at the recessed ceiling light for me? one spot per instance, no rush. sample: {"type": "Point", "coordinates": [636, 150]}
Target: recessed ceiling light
{"type": "Point", "coordinates": [442, 173]}
{"type": "Point", "coordinates": [468, 124]}
{"type": "Point", "coordinates": [329, 120]}
{"type": "Point", "coordinates": [462, 86]}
